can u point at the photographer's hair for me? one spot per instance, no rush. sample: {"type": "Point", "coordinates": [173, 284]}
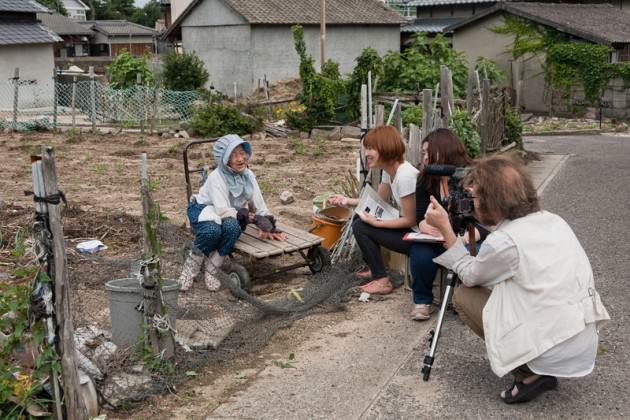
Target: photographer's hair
{"type": "Point", "coordinates": [444, 147]}
{"type": "Point", "coordinates": [504, 187]}
{"type": "Point", "coordinates": [386, 140]}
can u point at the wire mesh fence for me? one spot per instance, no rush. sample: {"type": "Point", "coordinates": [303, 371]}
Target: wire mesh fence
{"type": "Point", "coordinates": [30, 105]}
{"type": "Point", "coordinates": [207, 326]}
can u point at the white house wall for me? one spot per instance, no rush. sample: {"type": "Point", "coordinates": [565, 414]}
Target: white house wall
{"type": "Point", "coordinates": [36, 63]}
{"type": "Point", "coordinates": [477, 40]}
{"type": "Point", "coordinates": [225, 51]}
{"type": "Point", "coordinates": [274, 52]}
{"type": "Point", "coordinates": [213, 13]}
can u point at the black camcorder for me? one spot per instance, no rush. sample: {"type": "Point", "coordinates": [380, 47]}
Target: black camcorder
{"type": "Point", "coordinates": [459, 202]}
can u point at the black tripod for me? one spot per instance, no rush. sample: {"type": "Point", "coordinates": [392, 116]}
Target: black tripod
{"type": "Point", "coordinates": [451, 279]}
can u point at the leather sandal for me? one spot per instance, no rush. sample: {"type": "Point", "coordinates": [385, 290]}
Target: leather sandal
{"type": "Point", "coordinates": [527, 392]}
{"type": "Point", "coordinates": [378, 287]}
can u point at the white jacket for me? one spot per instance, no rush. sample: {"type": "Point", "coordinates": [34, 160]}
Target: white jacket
{"type": "Point", "coordinates": [549, 300]}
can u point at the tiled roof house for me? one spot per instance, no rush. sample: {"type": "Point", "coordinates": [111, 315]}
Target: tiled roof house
{"type": "Point", "coordinates": [241, 41]}
{"type": "Point", "coordinates": [26, 44]}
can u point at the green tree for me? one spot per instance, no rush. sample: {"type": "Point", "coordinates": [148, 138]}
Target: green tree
{"type": "Point", "coordinates": [55, 5]}
{"type": "Point", "coordinates": [113, 9]}
{"type": "Point", "coordinates": [124, 69]}
{"type": "Point", "coordinates": [148, 14]}
{"type": "Point", "coordinates": [184, 72]}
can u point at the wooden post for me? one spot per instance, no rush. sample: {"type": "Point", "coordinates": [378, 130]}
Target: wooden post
{"type": "Point", "coordinates": [470, 92]}
{"type": "Point", "coordinates": [446, 94]}
{"type": "Point", "coordinates": [75, 408]}
{"type": "Point", "coordinates": [74, 102]}
{"type": "Point", "coordinates": [427, 112]}
{"type": "Point", "coordinates": [414, 149]}
{"type": "Point", "coordinates": [369, 100]}
{"type": "Point", "coordinates": [375, 174]}
{"type": "Point", "coordinates": [322, 35]}
{"type": "Point", "coordinates": [151, 280]}
{"type": "Point", "coordinates": [484, 117]}
{"type": "Point", "coordinates": [398, 118]}
{"type": "Point", "coordinates": [380, 115]}
{"type": "Point", "coordinates": [55, 97]}
{"type": "Point", "coordinates": [266, 91]}
{"type": "Point", "coordinates": [364, 110]}
{"type": "Point", "coordinates": [92, 98]}
{"type": "Point", "coordinates": [16, 84]}
{"type": "Point", "coordinates": [364, 128]}
{"type": "Point", "coordinates": [140, 94]}
{"type": "Point", "coordinates": [154, 110]}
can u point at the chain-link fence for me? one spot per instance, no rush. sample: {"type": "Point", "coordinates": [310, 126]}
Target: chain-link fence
{"type": "Point", "coordinates": [31, 105]}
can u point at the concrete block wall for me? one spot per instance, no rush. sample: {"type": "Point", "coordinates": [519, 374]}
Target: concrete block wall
{"type": "Point", "coordinates": [615, 102]}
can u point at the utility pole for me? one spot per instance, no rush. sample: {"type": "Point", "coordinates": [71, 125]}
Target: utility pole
{"type": "Point", "coordinates": [322, 34]}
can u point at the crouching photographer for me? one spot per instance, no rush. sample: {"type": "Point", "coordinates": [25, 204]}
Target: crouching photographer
{"type": "Point", "coordinates": [529, 293]}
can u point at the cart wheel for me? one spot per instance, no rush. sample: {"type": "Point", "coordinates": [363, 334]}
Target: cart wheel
{"type": "Point", "coordinates": [239, 276]}
{"type": "Point", "coordinates": [318, 258]}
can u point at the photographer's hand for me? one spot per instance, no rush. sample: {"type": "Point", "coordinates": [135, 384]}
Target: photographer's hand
{"type": "Point", "coordinates": [437, 217]}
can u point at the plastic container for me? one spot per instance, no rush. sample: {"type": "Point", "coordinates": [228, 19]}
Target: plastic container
{"type": "Point", "coordinates": [327, 223]}
{"type": "Point", "coordinates": [124, 296]}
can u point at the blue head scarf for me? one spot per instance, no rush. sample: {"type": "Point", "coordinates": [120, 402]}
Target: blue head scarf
{"type": "Point", "coordinates": [237, 184]}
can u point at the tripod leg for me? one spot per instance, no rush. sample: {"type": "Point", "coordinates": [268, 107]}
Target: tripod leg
{"type": "Point", "coordinates": [430, 357]}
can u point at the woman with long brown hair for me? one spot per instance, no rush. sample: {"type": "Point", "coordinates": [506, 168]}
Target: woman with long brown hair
{"type": "Point", "coordinates": [441, 146]}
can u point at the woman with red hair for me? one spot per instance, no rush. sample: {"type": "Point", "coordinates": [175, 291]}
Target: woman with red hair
{"type": "Point", "coordinates": [384, 149]}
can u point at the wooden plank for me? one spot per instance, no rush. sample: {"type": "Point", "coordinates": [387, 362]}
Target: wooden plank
{"type": "Point", "coordinates": [265, 247]}
{"type": "Point", "coordinates": [307, 239]}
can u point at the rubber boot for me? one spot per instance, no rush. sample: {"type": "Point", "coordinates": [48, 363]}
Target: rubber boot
{"type": "Point", "coordinates": [213, 262]}
{"type": "Point", "coordinates": [191, 268]}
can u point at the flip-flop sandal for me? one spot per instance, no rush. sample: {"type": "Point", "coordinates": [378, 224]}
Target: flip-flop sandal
{"type": "Point", "coordinates": [527, 392]}
{"type": "Point", "coordinates": [374, 288]}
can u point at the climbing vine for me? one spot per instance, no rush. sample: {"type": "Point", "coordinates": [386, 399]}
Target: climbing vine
{"type": "Point", "coordinates": [566, 63]}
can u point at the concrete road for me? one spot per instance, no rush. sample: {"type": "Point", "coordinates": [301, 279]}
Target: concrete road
{"type": "Point", "coordinates": [368, 365]}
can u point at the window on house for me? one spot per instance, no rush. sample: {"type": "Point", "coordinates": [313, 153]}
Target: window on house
{"type": "Point", "coordinates": [623, 54]}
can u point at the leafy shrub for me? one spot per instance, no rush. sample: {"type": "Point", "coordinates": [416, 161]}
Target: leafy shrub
{"type": "Point", "coordinates": [369, 60]}
{"type": "Point", "coordinates": [331, 70]}
{"type": "Point", "coordinates": [216, 120]}
{"type": "Point", "coordinates": [321, 93]}
{"type": "Point", "coordinates": [488, 68]}
{"type": "Point", "coordinates": [124, 69]}
{"type": "Point", "coordinates": [463, 125]}
{"type": "Point", "coordinates": [513, 127]}
{"type": "Point", "coordinates": [412, 115]}
{"type": "Point", "coordinates": [419, 66]}
{"type": "Point", "coordinates": [184, 72]}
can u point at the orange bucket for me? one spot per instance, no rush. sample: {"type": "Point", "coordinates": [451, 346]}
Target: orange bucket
{"type": "Point", "coordinates": [327, 223]}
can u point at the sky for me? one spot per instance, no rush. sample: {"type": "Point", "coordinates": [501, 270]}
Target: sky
{"type": "Point", "coordinates": [140, 3]}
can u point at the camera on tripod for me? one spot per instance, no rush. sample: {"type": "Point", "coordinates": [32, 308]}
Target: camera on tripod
{"type": "Point", "coordinates": [459, 202]}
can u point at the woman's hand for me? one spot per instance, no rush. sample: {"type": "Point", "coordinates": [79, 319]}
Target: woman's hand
{"type": "Point", "coordinates": [437, 217]}
{"type": "Point", "coordinates": [338, 200]}
{"type": "Point", "coordinates": [278, 236]}
{"type": "Point", "coordinates": [368, 218]}
{"type": "Point", "coordinates": [428, 229]}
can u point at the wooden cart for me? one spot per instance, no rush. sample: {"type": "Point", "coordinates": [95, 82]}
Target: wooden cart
{"type": "Point", "coordinates": [307, 245]}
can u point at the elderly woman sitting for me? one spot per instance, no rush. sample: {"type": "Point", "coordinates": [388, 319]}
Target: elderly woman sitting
{"type": "Point", "coordinates": [221, 211]}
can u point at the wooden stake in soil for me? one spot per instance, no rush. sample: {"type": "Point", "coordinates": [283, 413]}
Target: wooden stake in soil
{"type": "Point", "coordinates": [75, 408]}
{"type": "Point", "coordinates": [152, 280]}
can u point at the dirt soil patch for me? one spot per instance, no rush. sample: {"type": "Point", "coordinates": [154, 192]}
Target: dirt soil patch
{"type": "Point", "coordinates": [100, 176]}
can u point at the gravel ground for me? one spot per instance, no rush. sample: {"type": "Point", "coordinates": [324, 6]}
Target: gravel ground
{"type": "Point", "coordinates": [591, 192]}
